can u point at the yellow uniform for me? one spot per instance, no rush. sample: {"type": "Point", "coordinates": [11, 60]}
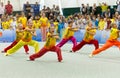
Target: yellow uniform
{"type": "Point", "coordinates": [18, 35]}
{"type": "Point", "coordinates": [26, 40]}
{"type": "Point", "coordinates": [51, 41]}
{"type": "Point", "coordinates": [88, 37]}
{"type": "Point", "coordinates": [114, 34]}
{"type": "Point", "coordinates": [101, 25]}
{"type": "Point", "coordinates": [56, 25]}
{"type": "Point", "coordinates": [44, 22]}
{"type": "Point", "coordinates": [68, 33]}
{"type": "Point", "coordinates": [36, 24]}
{"type": "Point", "coordinates": [23, 20]}
{"type": "Point", "coordinates": [5, 25]}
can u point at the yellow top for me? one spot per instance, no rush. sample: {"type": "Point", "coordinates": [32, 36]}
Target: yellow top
{"type": "Point", "coordinates": [68, 33]}
{"type": "Point", "coordinates": [56, 25]}
{"type": "Point", "coordinates": [88, 37]}
{"type": "Point", "coordinates": [5, 25]}
{"type": "Point", "coordinates": [101, 25]}
{"type": "Point", "coordinates": [44, 22]}
{"type": "Point", "coordinates": [104, 8]}
{"type": "Point", "coordinates": [18, 35]}
{"type": "Point", "coordinates": [114, 34]}
{"type": "Point", "coordinates": [27, 36]}
{"type": "Point", "coordinates": [23, 20]}
{"type": "Point", "coordinates": [36, 24]}
{"type": "Point", "coordinates": [51, 41]}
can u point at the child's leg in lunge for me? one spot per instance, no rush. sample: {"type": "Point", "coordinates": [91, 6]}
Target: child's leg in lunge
{"type": "Point", "coordinates": [95, 43]}
{"type": "Point", "coordinates": [79, 46]}
{"type": "Point", "coordinates": [117, 43]}
{"type": "Point", "coordinates": [10, 46]}
{"type": "Point", "coordinates": [35, 44]}
{"type": "Point", "coordinates": [39, 54]}
{"type": "Point", "coordinates": [26, 48]}
{"type": "Point", "coordinates": [58, 51]}
{"type": "Point", "coordinates": [73, 41]}
{"type": "Point", "coordinates": [62, 42]}
{"type": "Point", "coordinates": [107, 45]}
{"type": "Point", "coordinates": [16, 47]}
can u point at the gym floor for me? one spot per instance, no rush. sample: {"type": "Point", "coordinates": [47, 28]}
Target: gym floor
{"type": "Point", "coordinates": [74, 65]}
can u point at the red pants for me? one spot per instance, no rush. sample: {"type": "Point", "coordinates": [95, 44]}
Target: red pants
{"type": "Point", "coordinates": [66, 40]}
{"type": "Point", "coordinates": [107, 45]}
{"type": "Point", "coordinates": [13, 44]}
{"type": "Point", "coordinates": [45, 50]}
{"type": "Point", "coordinates": [81, 44]}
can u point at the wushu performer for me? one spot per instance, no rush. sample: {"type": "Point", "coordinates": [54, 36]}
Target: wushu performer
{"type": "Point", "coordinates": [49, 46]}
{"type": "Point", "coordinates": [19, 34]}
{"type": "Point", "coordinates": [114, 34]}
{"type": "Point", "coordinates": [26, 40]}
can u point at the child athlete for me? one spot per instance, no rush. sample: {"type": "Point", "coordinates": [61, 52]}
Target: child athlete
{"type": "Point", "coordinates": [88, 38]}
{"type": "Point", "coordinates": [69, 35]}
{"type": "Point", "coordinates": [114, 34]}
{"type": "Point", "coordinates": [26, 39]}
{"type": "Point", "coordinates": [49, 46]}
{"type": "Point", "coordinates": [19, 34]}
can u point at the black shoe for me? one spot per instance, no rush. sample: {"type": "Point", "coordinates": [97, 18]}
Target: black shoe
{"type": "Point", "coordinates": [2, 51]}
{"type": "Point", "coordinates": [71, 51]}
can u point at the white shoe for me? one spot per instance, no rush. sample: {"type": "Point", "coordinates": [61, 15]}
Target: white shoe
{"type": "Point", "coordinates": [6, 54]}
{"type": "Point", "coordinates": [91, 55]}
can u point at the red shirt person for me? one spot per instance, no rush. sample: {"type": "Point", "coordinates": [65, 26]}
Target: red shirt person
{"type": "Point", "coordinates": [9, 8]}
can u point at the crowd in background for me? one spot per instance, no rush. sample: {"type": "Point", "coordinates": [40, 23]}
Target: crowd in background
{"type": "Point", "coordinates": [51, 17]}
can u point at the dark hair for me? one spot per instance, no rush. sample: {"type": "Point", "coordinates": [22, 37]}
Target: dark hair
{"type": "Point", "coordinates": [69, 22]}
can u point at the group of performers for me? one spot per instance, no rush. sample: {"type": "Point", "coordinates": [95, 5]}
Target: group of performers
{"type": "Point", "coordinates": [24, 38]}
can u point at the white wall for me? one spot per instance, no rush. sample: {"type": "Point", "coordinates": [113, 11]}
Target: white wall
{"type": "Point", "coordinates": [69, 3]}
{"type": "Point", "coordinates": [18, 4]}
{"type": "Point", "coordinates": [50, 3]}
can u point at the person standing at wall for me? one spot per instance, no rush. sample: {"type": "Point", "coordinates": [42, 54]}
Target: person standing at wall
{"type": "Point", "coordinates": [2, 9]}
{"type": "Point", "coordinates": [9, 8]}
{"type": "Point", "coordinates": [27, 8]}
{"type": "Point", "coordinates": [118, 6]}
{"type": "Point", "coordinates": [36, 9]}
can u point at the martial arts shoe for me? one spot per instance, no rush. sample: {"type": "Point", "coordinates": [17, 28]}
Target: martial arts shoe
{"type": "Point", "coordinates": [60, 59]}
{"type": "Point", "coordinates": [71, 51]}
{"type": "Point", "coordinates": [2, 51]}
{"type": "Point", "coordinates": [6, 54]}
{"type": "Point", "coordinates": [27, 53]}
{"type": "Point", "coordinates": [31, 59]}
{"type": "Point", "coordinates": [91, 55]}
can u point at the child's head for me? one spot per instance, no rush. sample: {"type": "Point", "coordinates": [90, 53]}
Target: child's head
{"type": "Point", "coordinates": [20, 26]}
{"type": "Point", "coordinates": [30, 23]}
{"type": "Point", "coordinates": [90, 23]}
{"type": "Point", "coordinates": [51, 29]}
{"type": "Point", "coordinates": [70, 23]}
{"type": "Point", "coordinates": [114, 25]}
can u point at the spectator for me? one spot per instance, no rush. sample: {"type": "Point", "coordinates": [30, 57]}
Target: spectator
{"type": "Point", "coordinates": [2, 9]}
{"type": "Point", "coordinates": [36, 9]}
{"type": "Point", "coordinates": [83, 9]}
{"type": "Point", "coordinates": [22, 19]}
{"type": "Point", "coordinates": [94, 9]}
{"type": "Point", "coordinates": [118, 6]}
{"type": "Point", "coordinates": [104, 8]}
{"type": "Point", "coordinates": [27, 8]}
{"type": "Point", "coordinates": [9, 8]}
{"type": "Point", "coordinates": [88, 9]}
{"type": "Point", "coordinates": [44, 26]}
